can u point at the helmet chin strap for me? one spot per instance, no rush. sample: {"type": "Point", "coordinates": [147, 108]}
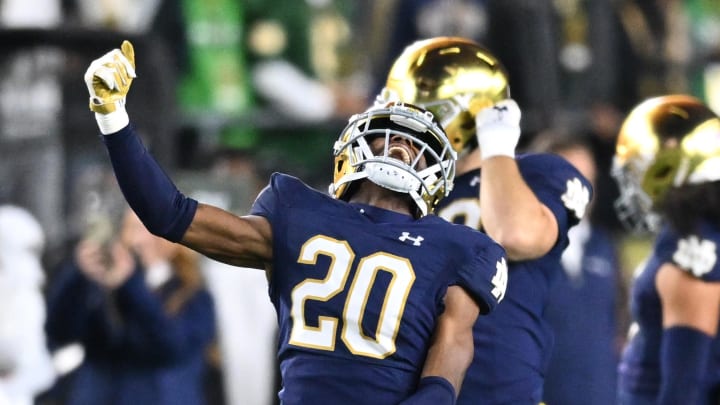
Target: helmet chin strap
{"type": "Point", "coordinates": [419, 203]}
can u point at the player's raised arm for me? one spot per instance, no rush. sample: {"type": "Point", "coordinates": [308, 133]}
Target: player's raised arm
{"type": "Point", "coordinates": [511, 212]}
{"type": "Point", "coordinates": [164, 210]}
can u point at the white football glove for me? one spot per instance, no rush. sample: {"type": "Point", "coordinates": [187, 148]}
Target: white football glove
{"type": "Point", "coordinates": [498, 129]}
{"type": "Point", "coordinates": [108, 80]}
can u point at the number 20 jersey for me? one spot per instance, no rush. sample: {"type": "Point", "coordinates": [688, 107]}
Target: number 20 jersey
{"type": "Point", "coordinates": [358, 289]}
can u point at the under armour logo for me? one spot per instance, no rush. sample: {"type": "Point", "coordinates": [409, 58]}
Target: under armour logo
{"type": "Point", "coordinates": [500, 111]}
{"type": "Point", "coordinates": [406, 236]}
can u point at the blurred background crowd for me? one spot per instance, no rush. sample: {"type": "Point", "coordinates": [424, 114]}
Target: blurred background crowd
{"type": "Point", "coordinates": [233, 90]}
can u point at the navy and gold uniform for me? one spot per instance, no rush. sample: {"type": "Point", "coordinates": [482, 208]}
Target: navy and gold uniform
{"type": "Point", "coordinates": [513, 344]}
{"type": "Point", "coordinates": [666, 165]}
{"type": "Point", "coordinates": [342, 302]}
{"type": "Point", "coordinates": [363, 295]}
{"type": "Point", "coordinates": [640, 366]}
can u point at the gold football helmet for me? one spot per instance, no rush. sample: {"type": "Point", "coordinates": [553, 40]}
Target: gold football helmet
{"type": "Point", "coordinates": [452, 77]}
{"type": "Point", "coordinates": [354, 159]}
{"type": "Point", "coordinates": [664, 142]}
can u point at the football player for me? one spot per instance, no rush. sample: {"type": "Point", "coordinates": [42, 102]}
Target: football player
{"type": "Point", "coordinates": [527, 203]}
{"type": "Point", "coordinates": [667, 165]}
{"type": "Point", "coordinates": [375, 299]}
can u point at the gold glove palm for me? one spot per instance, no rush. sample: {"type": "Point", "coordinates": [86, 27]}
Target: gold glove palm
{"type": "Point", "coordinates": [109, 77]}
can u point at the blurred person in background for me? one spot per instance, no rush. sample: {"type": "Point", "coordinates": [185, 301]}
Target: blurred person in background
{"type": "Point", "coordinates": [667, 165]}
{"type": "Point", "coordinates": [26, 368]}
{"type": "Point", "coordinates": [586, 306]}
{"type": "Point", "coordinates": [360, 307]}
{"type": "Point", "coordinates": [527, 203]}
{"type": "Point", "coordinates": [137, 305]}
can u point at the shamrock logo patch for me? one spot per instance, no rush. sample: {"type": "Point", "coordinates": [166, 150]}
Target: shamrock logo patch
{"type": "Point", "coordinates": [577, 197]}
{"type": "Point", "coordinates": [698, 256]}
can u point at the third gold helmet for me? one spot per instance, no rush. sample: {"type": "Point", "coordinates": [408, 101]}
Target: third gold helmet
{"type": "Point", "coordinates": [452, 77]}
{"type": "Point", "coordinates": [667, 141]}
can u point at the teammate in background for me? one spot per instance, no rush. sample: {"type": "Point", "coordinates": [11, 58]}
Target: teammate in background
{"type": "Point", "coordinates": [667, 165]}
{"type": "Point", "coordinates": [526, 203]}
{"type": "Point", "coordinates": [366, 286]}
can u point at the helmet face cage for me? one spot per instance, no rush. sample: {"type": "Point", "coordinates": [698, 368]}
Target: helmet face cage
{"type": "Point", "coordinates": [452, 77]}
{"type": "Point", "coordinates": [664, 142]}
{"type": "Point", "coordinates": [634, 207]}
{"type": "Point", "coordinates": [354, 159]}
{"type": "Point", "coordinates": [454, 116]}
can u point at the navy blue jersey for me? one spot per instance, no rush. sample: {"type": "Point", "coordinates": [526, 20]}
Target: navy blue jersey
{"type": "Point", "coordinates": [358, 290]}
{"type": "Point", "coordinates": [513, 344]}
{"type": "Point", "coordinates": [697, 254]}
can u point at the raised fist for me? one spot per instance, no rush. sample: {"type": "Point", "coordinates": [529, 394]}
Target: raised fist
{"type": "Point", "coordinates": [498, 129]}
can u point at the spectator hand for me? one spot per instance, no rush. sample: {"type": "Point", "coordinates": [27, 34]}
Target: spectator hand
{"type": "Point", "coordinates": [108, 266]}
{"type": "Point", "coordinates": [108, 80]}
{"type": "Point", "coordinates": [498, 129]}
{"type": "Point", "coordinates": [123, 266]}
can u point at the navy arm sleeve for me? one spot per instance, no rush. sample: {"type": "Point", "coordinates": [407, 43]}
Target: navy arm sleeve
{"type": "Point", "coordinates": [684, 356]}
{"type": "Point", "coordinates": [432, 390]}
{"type": "Point", "coordinates": [164, 210]}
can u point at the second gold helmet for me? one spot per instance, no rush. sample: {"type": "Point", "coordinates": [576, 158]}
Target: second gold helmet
{"type": "Point", "coordinates": [452, 77]}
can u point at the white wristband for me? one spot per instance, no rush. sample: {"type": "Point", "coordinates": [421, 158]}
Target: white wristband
{"type": "Point", "coordinates": [498, 129]}
{"type": "Point", "coordinates": [498, 139]}
{"type": "Point", "coordinates": [112, 122]}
